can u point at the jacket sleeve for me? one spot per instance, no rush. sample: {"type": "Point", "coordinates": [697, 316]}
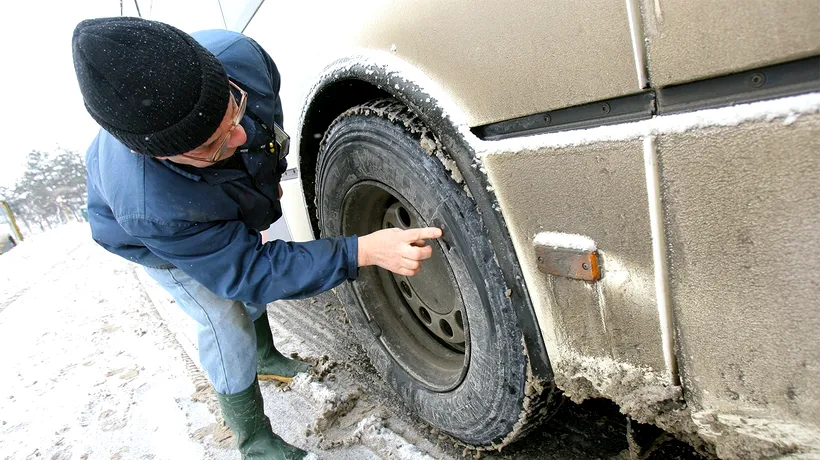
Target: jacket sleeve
{"type": "Point", "coordinates": [231, 260]}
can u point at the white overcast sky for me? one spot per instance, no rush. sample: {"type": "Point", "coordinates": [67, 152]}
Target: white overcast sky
{"type": "Point", "coordinates": [43, 107]}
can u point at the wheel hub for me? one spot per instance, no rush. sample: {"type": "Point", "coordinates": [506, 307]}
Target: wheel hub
{"type": "Point", "coordinates": [430, 294]}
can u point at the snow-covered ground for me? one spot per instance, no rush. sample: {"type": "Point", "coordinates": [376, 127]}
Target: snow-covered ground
{"type": "Point", "coordinates": [87, 370]}
{"type": "Point", "coordinates": [91, 368]}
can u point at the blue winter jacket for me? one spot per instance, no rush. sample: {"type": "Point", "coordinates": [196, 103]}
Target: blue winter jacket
{"type": "Point", "coordinates": [207, 221]}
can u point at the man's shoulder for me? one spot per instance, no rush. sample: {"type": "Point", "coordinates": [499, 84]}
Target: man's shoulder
{"type": "Point", "coordinates": [113, 168]}
{"type": "Point", "coordinates": [130, 183]}
{"type": "Point", "coordinates": [219, 41]}
{"type": "Point", "coordinates": [107, 157]}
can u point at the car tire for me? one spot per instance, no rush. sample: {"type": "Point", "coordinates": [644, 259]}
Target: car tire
{"type": "Point", "coordinates": [378, 167]}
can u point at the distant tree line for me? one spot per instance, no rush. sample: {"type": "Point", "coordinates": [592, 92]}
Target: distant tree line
{"type": "Point", "coordinates": [50, 192]}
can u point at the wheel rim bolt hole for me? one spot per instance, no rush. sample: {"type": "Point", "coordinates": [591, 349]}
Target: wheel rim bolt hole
{"type": "Point", "coordinates": [404, 217]}
{"type": "Point", "coordinates": [405, 288]}
{"type": "Point", "coordinates": [425, 315]}
{"type": "Point", "coordinates": [446, 328]}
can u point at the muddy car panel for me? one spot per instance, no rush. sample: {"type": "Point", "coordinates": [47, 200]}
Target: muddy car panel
{"type": "Point", "coordinates": [696, 39]}
{"type": "Point", "coordinates": [740, 206]}
{"type": "Point", "coordinates": [486, 55]}
{"type": "Point", "coordinates": [701, 217]}
{"type": "Point", "coordinates": [599, 191]}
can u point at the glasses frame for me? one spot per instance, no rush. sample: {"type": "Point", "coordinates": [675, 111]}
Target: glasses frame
{"type": "Point", "coordinates": [243, 103]}
{"type": "Point", "coordinates": [240, 113]}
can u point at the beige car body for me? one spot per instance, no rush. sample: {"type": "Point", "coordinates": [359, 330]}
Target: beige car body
{"type": "Point", "coordinates": [706, 319]}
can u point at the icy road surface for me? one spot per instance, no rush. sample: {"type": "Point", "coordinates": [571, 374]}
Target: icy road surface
{"type": "Point", "coordinates": [96, 363]}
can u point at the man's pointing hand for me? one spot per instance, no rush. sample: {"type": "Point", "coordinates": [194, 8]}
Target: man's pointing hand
{"type": "Point", "coordinates": [400, 251]}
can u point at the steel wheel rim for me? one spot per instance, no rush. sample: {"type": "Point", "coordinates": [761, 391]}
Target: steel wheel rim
{"type": "Point", "coordinates": [431, 343]}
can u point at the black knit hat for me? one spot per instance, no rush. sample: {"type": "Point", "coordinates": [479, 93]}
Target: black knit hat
{"type": "Point", "coordinates": [149, 84]}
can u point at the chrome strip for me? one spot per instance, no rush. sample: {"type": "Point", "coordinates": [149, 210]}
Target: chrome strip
{"type": "Point", "coordinates": [633, 11]}
{"type": "Point", "coordinates": [250, 18]}
{"type": "Point", "coordinates": [222, 13]}
{"type": "Point", "coordinates": [653, 189]}
{"type": "Point", "coordinates": [289, 174]}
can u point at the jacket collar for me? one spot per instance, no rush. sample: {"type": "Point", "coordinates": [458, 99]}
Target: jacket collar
{"type": "Point", "coordinates": [173, 167]}
{"type": "Point", "coordinates": [215, 176]}
{"type": "Point", "coordinates": [212, 176]}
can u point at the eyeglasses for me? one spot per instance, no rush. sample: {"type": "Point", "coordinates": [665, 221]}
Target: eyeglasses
{"type": "Point", "coordinates": [237, 118]}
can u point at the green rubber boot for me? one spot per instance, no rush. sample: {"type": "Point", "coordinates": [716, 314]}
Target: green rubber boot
{"type": "Point", "coordinates": [270, 364]}
{"type": "Point", "coordinates": [255, 439]}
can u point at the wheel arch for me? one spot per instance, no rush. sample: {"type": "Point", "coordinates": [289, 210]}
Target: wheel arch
{"type": "Point", "coordinates": [353, 80]}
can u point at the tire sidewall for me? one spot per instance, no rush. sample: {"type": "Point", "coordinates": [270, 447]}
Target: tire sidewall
{"type": "Point", "coordinates": [486, 405]}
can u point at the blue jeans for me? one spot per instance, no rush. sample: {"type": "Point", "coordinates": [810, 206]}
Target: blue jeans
{"type": "Point", "coordinates": [225, 332]}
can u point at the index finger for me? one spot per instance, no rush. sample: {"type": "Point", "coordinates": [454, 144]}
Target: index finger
{"type": "Point", "coordinates": [415, 234]}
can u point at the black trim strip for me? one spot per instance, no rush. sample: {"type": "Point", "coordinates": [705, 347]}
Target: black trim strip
{"type": "Point", "coordinates": [780, 80]}
{"type": "Point", "coordinates": [611, 111]}
{"type": "Point", "coordinates": [789, 79]}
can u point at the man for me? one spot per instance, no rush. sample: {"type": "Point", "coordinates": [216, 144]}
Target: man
{"type": "Point", "coordinates": [184, 175]}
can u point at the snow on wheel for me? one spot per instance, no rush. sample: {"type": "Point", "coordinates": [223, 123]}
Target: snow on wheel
{"type": "Point", "coordinates": [447, 339]}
